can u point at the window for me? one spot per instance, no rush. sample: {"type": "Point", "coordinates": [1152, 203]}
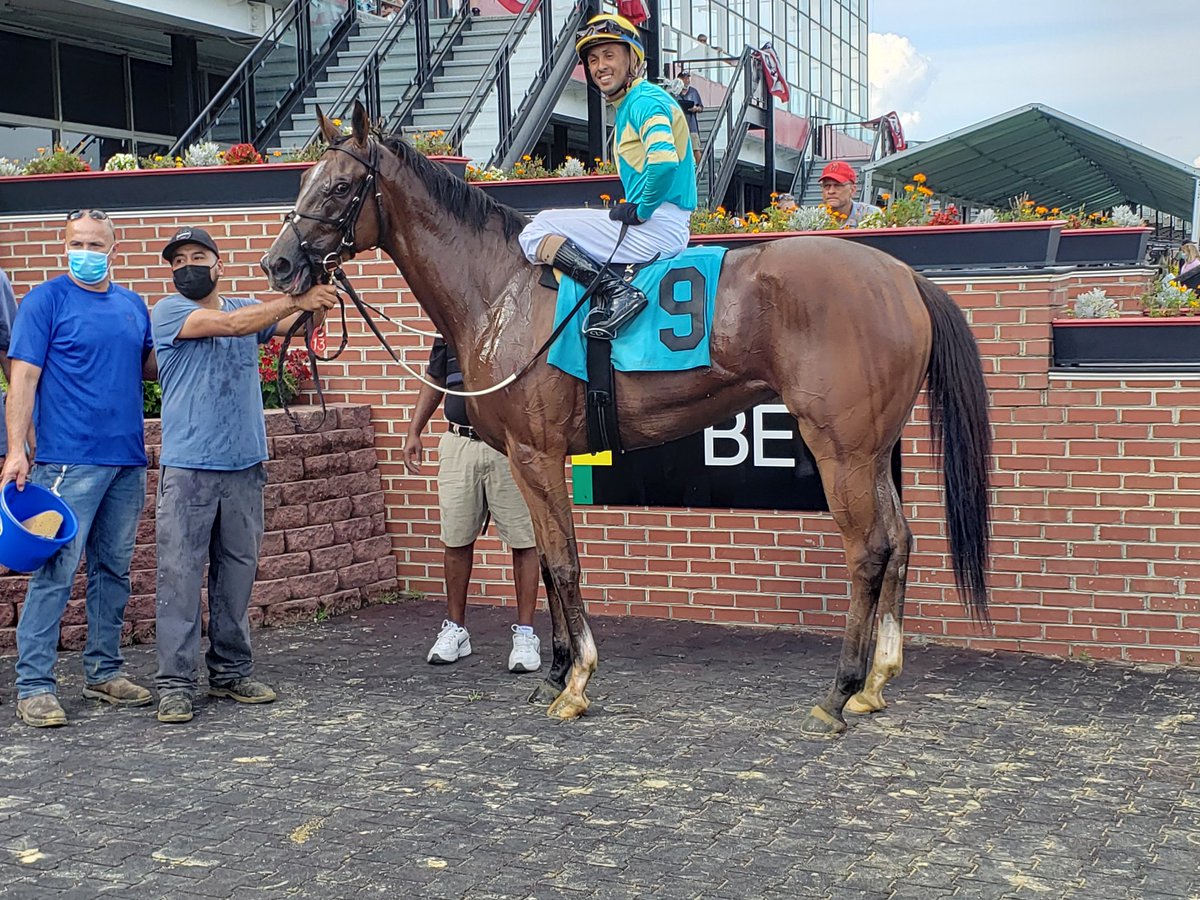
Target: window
{"type": "Point", "coordinates": [151, 111]}
{"type": "Point", "coordinates": [29, 76]}
{"type": "Point", "coordinates": [93, 87]}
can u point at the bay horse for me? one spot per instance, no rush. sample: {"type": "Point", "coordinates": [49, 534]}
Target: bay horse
{"type": "Point", "coordinates": [844, 334]}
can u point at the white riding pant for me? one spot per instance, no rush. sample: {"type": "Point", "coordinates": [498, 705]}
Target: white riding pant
{"type": "Point", "coordinates": [665, 234]}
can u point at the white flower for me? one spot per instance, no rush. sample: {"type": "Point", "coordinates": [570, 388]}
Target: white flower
{"type": "Point", "coordinates": [572, 168]}
{"type": "Point", "coordinates": [205, 153]}
{"type": "Point", "coordinates": [1125, 217]}
{"type": "Point", "coordinates": [121, 162]}
{"type": "Point", "coordinates": [11, 166]}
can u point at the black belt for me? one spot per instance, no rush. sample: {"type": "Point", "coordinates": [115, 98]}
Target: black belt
{"type": "Point", "coordinates": [465, 431]}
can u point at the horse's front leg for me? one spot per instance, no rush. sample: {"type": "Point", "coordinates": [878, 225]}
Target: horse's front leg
{"type": "Point", "coordinates": [541, 477]}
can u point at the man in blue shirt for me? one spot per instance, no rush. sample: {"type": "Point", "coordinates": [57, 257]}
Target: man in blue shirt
{"type": "Point", "coordinates": [80, 346]}
{"type": "Point", "coordinates": [214, 443]}
{"type": "Point", "coordinates": [8, 314]}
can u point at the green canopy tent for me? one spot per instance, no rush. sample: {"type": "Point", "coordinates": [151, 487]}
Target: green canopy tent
{"type": "Point", "coordinates": [1055, 159]}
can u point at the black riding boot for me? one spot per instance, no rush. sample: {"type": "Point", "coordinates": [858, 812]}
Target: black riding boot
{"type": "Point", "coordinates": [618, 300]}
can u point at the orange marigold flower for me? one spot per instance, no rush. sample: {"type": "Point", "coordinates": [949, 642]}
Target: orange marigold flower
{"type": "Point", "coordinates": [1029, 203]}
{"type": "Point", "coordinates": [919, 178]}
{"type": "Point", "coordinates": [1055, 210]}
{"type": "Point", "coordinates": [605, 197]}
{"type": "Point", "coordinates": [1041, 210]}
{"type": "Point", "coordinates": [908, 189]}
{"type": "Point", "coordinates": [886, 196]}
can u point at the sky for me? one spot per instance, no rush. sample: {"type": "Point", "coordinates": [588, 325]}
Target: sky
{"type": "Point", "coordinates": [1131, 67]}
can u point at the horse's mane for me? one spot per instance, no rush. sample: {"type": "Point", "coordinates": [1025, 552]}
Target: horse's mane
{"type": "Point", "coordinates": [465, 202]}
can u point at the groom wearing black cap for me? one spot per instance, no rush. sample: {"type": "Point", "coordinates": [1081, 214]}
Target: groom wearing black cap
{"type": "Point", "coordinates": [214, 444]}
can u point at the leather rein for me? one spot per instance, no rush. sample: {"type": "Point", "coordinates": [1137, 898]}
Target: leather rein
{"type": "Point", "coordinates": [330, 268]}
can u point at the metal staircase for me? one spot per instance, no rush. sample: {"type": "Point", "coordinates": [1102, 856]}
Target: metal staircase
{"type": "Point", "coordinates": [746, 106]}
{"type": "Point", "coordinates": [258, 98]}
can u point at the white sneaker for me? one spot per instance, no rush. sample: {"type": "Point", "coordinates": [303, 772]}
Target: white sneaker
{"type": "Point", "coordinates": [453, 643]}
{"type": "Point", "coordinates": [526, 653]}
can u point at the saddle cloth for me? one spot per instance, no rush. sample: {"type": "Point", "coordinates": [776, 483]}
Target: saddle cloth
{"type": "Point", "coordinates": [671, 334]}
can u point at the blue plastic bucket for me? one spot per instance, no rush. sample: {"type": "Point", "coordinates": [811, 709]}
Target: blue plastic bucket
{"type": "Point", "coordinates": [22, 550]}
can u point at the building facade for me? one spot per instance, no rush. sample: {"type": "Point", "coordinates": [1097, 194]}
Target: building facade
{"type": "Point", "coordinates": [822, 45]}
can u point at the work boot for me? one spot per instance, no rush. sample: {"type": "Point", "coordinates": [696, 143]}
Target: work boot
{"type": "Point", "coordinates": [618, 301]}
{"type": "Point", "coordinates": [243, 690]}
{"type": "Point", "coordinates": [118, 691]}
{"type": "Point", "coordinates": [41, 711]}
{"type": "Point", "coordinates": [175, 707]}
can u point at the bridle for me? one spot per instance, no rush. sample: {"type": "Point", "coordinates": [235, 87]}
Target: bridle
{"type": "Point", "coordinates": [348, 220]}
{"type": "Point", "coordinates": [330, 267]}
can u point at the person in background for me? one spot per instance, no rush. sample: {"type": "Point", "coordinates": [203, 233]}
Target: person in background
{"type": "Point", "coordinates": [786, 203]}
{"type": "Point", "coordinates": [692, 107]}
{"type": "Point", "coordinates": [474, 481]}
{"type": "Point", "coordinates": [210, 487]}
{"type": "Point", "coordinates": [1190, 258]}
{"type": "Point", "coordinates": [839, 182]}
{"type": "Point", "coordinates": [81, 346]}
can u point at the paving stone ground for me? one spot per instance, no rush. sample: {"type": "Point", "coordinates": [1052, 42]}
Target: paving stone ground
{"type": "Point", "coordinates": [378, 775]}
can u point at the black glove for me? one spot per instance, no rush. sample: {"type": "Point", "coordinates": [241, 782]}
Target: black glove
{"type": "Point", "coordinates": [625, 212]}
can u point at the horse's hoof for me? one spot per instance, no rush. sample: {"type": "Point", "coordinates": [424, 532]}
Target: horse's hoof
{"type": "Point", "coordinates": [821, 726]}
{"type": "Point", "coordinates": [545, 693]}
{"type": "Point", "coordinates": [861, 704]}
{"type": "Point", "coordinates": [567, 708]}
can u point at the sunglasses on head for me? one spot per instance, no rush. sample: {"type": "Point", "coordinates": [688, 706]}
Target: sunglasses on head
{"type": "Point", "coordinates": [98, 214]}
{"type": "Point", "coordinates": [602, 28]}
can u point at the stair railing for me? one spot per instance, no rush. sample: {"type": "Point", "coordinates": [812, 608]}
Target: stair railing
{"type": "Point", "coordinates": [364, 84]}
{"type": "Point", "coordinates": [729, 129]}
{"type": "Point", "coordinates": [297, 32]}
{"type": "Point", "coordinates": [429, 60]}
{"type": "Point", "coordinates": [496, 76]}
{"type": "Point", "coordinates": [519, 135]}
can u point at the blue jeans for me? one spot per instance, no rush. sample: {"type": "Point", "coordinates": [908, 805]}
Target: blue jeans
{"type": "Point", "coordinates": [107, 501]}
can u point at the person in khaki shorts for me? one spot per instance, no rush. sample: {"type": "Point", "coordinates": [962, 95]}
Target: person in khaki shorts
{"type": "Point", "coordinates": [473, 481]}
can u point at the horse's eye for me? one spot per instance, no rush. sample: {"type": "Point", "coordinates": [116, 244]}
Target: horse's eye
{"type": "Point", "coordinates": [342, 187]}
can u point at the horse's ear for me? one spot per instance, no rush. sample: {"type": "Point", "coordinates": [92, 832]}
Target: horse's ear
{"type": "Point", "coordinates": [329, 131]}
{"type": "Point", "coordinates": [362, 124]}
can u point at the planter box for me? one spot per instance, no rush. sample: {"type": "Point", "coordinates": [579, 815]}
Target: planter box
{"type": "Point", "coordinates": [1128, 344]}
{"type": "Point", "coordinates": [535, 194]}
{"type": "Point", "coordinates": [935, 248]}
{"type": "Point", "coordinates": [273, 184]}
{"type": "Point", "coordinates": [456, 164]}
{"type": "Point", "coordinates": [1103, 246]}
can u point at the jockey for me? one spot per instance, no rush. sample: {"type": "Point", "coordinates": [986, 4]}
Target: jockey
{"type": "Point", "coordinates": [658, 174]}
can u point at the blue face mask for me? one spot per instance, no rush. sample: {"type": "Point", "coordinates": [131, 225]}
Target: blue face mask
{"type": "Point", "coordinates": [87, 266]}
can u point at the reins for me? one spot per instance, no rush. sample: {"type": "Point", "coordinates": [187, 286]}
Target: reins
{"type": "Point", "coordinates": [331, 269]}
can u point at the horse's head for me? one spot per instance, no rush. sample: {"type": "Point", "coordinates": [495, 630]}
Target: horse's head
{"type": "Point", "coordinates": [338, 213]}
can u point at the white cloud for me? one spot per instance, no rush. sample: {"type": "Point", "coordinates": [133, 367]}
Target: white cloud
{"type": "Point", "coordinates": [899, 77]}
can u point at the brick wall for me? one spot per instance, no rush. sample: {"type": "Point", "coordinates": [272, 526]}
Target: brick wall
{"type": "Point", "coordinates": [325, 545]}
{"type": "Point", "coordinates": [1097, 482]}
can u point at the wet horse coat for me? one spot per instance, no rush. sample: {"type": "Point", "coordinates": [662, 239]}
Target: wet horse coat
{"type": "Point", "coordinates": [843, 334]}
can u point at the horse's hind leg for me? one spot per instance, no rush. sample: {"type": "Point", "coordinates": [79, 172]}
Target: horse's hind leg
{"type": "Point", "coordinates": [889, 642]}
{"type": "Point", "coordinates": [860, 505]}
{"type": "Point", "coordinates": [549, 688]}
{"type": "Point", "coordinates": [540, 476]}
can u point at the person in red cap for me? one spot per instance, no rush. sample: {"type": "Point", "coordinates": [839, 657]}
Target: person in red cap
{"type": "Point", "coordinates": [839, 182]}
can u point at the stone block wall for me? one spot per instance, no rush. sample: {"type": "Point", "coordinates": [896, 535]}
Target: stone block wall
{"type": "Point", "coordinates": [325, 546]}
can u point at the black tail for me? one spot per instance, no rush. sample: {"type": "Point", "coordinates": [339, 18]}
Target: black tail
{"type": "Point", "coordinates": [958, 418]}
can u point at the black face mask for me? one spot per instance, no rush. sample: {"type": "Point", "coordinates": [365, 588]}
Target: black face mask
{"type": "Point", "coordinates": [194, 282]}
